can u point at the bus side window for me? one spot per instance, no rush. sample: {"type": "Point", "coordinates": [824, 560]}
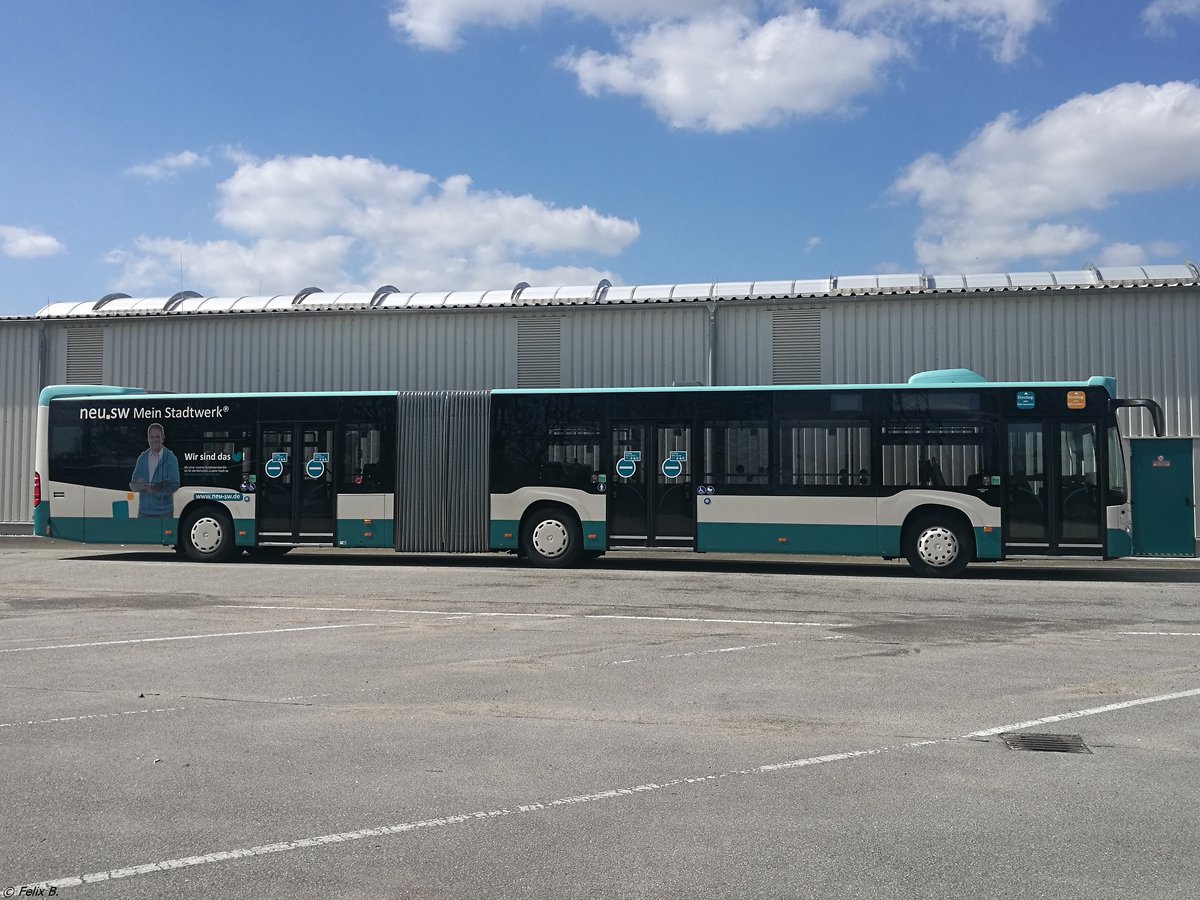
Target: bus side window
{"type": "Point", "coordinates": [824, 453]}
{"type": "Point", "coordinates": [936, 454]}
{"type": "Point", "coordinates": [366, 461]}
{"type": "Point", "coordinates": [737, 453]}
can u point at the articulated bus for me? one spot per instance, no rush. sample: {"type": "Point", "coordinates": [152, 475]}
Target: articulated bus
{"type": "Point", "coordinates": [944, 470]}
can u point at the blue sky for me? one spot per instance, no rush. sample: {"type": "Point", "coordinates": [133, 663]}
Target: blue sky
{"type": "Point", "coordinates": [240, 148]}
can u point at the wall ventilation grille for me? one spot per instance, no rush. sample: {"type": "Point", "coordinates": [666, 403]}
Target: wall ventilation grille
{"type": "Point", "coordinates": [539, 352]}
{"type": "Point", "coordinates": [85, 356]}
{"type": "Point", "coordinates": [796, 346]}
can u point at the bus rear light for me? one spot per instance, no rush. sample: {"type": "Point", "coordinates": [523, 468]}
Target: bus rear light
{"type": "Point", "coordinates": [37, 488]}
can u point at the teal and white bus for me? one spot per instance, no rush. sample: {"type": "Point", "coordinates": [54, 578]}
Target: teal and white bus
{"type": "Point", "coordinates": [943, 470]}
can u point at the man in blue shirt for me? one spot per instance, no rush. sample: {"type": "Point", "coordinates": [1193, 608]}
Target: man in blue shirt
{"type": "Point", "coordinates": [155, 477]}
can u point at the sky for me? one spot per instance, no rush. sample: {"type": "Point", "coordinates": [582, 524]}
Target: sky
{"type": "Point", "coordinates": [236, 148]}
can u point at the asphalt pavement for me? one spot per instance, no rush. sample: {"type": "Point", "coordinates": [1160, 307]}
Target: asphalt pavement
{"type": "Point", "coordinates": [657, 725]}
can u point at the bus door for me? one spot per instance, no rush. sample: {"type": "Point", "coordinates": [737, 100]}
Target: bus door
{"type": "Point", "coordinates": [1054, 485]}
{"type": "Point", "coordinates": [295, 483]}
{"type": "Point", "coordinates": [650, 502]}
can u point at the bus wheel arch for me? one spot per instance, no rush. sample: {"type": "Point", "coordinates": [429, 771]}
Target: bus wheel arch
{"type": "Point", "coordinates": [206, 533]}
{"type": "Point", "coordinates": [937, 541]}
{"type": "Point", "coordinates": [552, 535]}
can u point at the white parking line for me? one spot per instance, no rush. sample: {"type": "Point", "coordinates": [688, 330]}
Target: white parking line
{"type": "Point", "coordinates": [459, 614]}
{"type": "Point", "coordinates": [1095, 710]}
{"type": "Point", "coordinates": [625, 662]}
{"type": "Point", "coordinates": [1164, 633]}
{"type": "Point", "coordinates": [128, 712]}
{"type": "Point", "coordinates": [614, 794]}
{"type": "Point", "coordinates": [186, 637]}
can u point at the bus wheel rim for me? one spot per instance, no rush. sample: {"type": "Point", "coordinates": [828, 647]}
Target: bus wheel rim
{"type": "Point", "coordinates": [550, 538]}
{"type": "Point", "coordinates": [938, 547]}
{"type": "Point", "coordinates": [206, 535]}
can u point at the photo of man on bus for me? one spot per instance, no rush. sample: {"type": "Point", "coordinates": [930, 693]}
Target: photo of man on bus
{"type": "Point", "coordinates": [155, 476]}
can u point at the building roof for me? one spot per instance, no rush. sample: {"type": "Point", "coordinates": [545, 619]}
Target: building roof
{"type": "Point", "coordinates": [605, 293]}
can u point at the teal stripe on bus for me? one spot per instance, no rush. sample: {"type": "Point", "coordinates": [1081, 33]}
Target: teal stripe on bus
{"type": "Point", "coordinates": [834, 540]}
{"type": "Point", "coordinates": [161, 532]}
{"type": "Point", "coordinates": [988, 544]}
{"type": "Point", "coordinates": [95, 530]}
{"type": "Point", "coordinates": [41, 519]}
{"type": "Point", "coordinates": [837, 540]}
{"type": "Point", "coordinates": [1117, 543]}
{"type": "Point", "coordinates": [356, 533]}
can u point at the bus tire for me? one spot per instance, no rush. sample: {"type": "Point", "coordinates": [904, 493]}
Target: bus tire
{"type": "Point", "coordinates": [552, 538]}
{"type": "Point", "coordinates": [938, 545]}
{"type": "Point", "coordinates": [207, 535]}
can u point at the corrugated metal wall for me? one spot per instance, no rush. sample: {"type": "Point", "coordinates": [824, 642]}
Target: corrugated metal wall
{"type": "Point", "coordinates": [19, 386]}
{"type": "Point", "coordinates": [1146, 339]}
{"type": "Point", "coordinates": [634, 346]}
{"type": "Point", "coordinates": [351, 351]}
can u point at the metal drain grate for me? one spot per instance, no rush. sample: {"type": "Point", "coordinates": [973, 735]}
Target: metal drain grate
{"type": "Point", "coordinates": [1046, 743]}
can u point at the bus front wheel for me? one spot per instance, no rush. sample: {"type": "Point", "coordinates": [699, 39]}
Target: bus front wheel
{"type": "Point", "coordinates": [552, 538]}
{"type": "Point", "coordinates": [937, 546]}
{"type": "Point", "coordinates": [207, 535]}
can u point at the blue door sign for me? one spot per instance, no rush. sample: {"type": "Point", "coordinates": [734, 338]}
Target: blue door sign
{"type": "Point", "coordinates": [273, 468]}
{"type": "Point", "coordinates": [626, 467]}
{"type": "Point", "coordinates": [672, 467]}
{"type": "Point", "coordinates": [315, 468]}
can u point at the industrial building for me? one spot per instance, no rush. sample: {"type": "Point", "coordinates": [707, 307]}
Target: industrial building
{"type": "Point", "coordinates": [1140, 324]}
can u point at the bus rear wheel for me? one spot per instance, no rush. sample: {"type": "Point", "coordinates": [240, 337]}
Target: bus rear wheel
{"type": "Point", "coordinates": [552, 538]}
{"type": "Point", "coordinates": [937, 546]}
{"type": "Point", "coordinates": [207, 535]}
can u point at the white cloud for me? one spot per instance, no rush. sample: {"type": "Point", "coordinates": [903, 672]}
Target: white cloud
{"type": "Point", "coordinates": [1158, 14]}
{"type": "Point", "coordinates": [1121, 254]}
{"type": "Point", "coordinates": [350, 222]}
{"type": "Point", "coordinates": [723, 65]}
{"type": "Point", "coordinates": [26, 243]}
{"type": "Point", "coordinates": [167, 166]}
{"type": "Point", "coordinates": [724, 72]}
{"type": "Point", "coordinates": [436, 23]}
{"type": "Point", "coordinates": [231, 268]}
{"type": "Point", "coordinates": [1006, 23]}
{"type": "Point", "coordinates": [1124, 254]}
{"type": "Point", "coordinates": [1015, 192]}
{"type": "Point", "coordinates": [812, 243]}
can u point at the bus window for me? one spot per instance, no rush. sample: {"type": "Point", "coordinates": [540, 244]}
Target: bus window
{"type": "Point", "coordinates": [737, 453]}
{"type": "Point", "coordinates": [824, 453]}
{"type": "Point", "coordinates": [572, 455]}
{"type": "Point", "coordinates": [1079, 492]}
{"type": "Point", "coordinates": [947, 454]}
{"type": "Point", "coordinates": [367, 466]}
